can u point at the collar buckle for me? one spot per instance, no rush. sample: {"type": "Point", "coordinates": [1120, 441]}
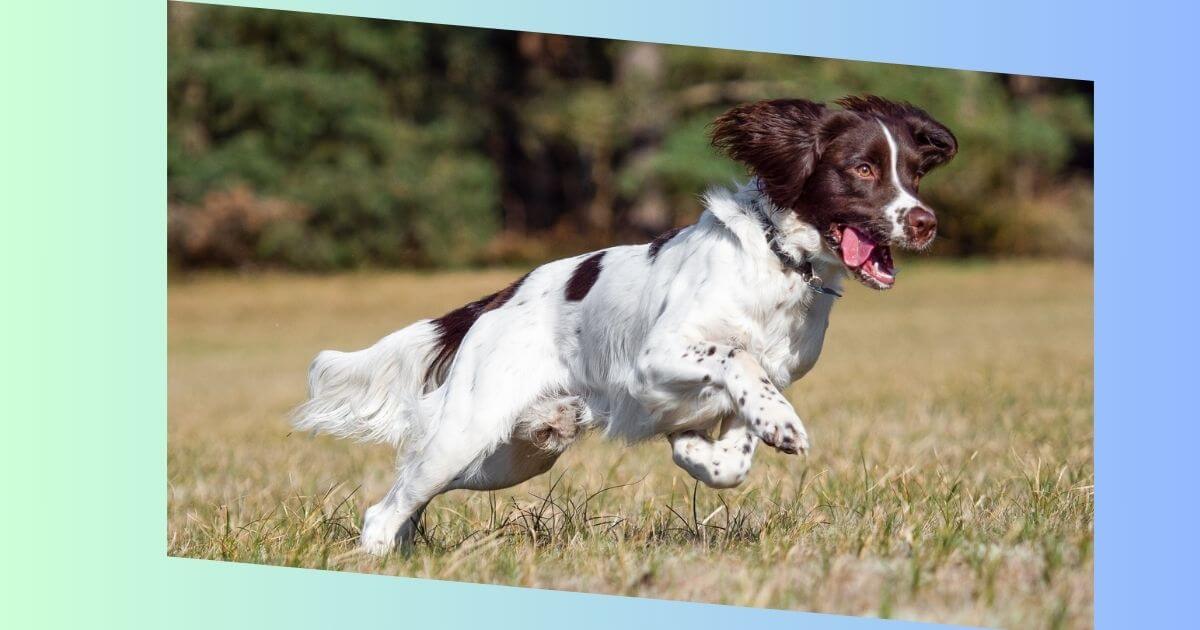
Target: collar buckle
{"type": "Point", "coordinates": [814, 281]}
{"type": "Point", "coordinates": [789, 262]}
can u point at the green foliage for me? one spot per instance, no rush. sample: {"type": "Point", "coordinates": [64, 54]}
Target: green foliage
{"type": "Point", "coordinates": [685, 162]}
{"type": "Point", "coordinates": [333, 114]}
{"type": "Point", "coordinates": [403, 144]}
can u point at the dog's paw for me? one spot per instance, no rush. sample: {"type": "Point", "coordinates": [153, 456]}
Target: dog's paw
{"type": "Point", "coordinates": [375, 542]}
{"type": "Point", "coordinates": [688, 447]}
{"type": "Point", "coordinates": [721, 463]}
{"type": "Point", "coordinates": [779, 427]}
{"type": "Point", "coordinates": [557, 426]}
{"type": "Point", "coordinates": [378, 536]}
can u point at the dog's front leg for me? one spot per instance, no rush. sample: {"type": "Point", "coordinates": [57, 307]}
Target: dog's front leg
{"type": "Point", "coordinates": [720, 463]}
{"type": "Point", "coordinates": [668, 371]}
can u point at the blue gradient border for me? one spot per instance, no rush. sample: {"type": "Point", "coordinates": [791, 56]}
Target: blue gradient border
{"type": "Point", "coordinates": [82, 161]}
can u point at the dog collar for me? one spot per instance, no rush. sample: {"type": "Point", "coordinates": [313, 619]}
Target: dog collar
{"type": "Point", "coordinates": [790, 263]}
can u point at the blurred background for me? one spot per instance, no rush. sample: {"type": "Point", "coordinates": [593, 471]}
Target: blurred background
{"type": "Point", "coordinates": [315, 142]}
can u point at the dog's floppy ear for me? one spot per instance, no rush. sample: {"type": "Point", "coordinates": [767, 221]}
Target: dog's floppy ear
{"type": "Point", "coordinates": [934, 140]}
{"type": "Point", "coordinates": [780, 140]}
{"type": "Point", "coordinates": [937, 144]}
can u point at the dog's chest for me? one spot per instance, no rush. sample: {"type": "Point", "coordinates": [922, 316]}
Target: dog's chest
{"type": "Point", "coordinates": [785, 330]}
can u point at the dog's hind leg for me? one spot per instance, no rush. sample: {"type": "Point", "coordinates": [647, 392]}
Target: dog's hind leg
{"type": "Point", "coordinates": [544, 431]}
{"type": "Point", "coordinates": [420, 477]}
{"type": "Point", "coordinates": [461, 460]}
{"type": "Point", "coordinates": [720, 463]}
{"type": "Point", "coordinates": [504, 365]}
{"type": "Point", "coordinates": [552, 424]}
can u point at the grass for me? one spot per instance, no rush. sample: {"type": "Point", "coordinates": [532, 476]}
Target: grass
{"type": "Point", "coordinates": [950, 480]}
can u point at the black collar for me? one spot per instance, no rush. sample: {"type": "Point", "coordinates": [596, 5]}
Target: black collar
{"type": "Point", "coordinates": [790, 263]}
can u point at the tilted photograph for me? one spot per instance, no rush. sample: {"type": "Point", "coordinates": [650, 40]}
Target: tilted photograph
{"type": "Point", "coordinates": [628, 318]}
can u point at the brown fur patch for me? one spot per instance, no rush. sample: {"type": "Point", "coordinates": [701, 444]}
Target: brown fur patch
{"type": "Point", "coordinates": [584, 276]}
{"type": "Point", "coordinates": [661, 240]}
{"type": "Point", "coordinates": [453, 326]}
{"type": "Point", "coordinates": [780, 140]}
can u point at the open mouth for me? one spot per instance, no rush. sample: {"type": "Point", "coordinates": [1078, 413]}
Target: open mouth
{"type": "Point", "coordinates": [869, 261]}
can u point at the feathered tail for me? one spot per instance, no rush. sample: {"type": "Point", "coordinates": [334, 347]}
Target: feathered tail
{"type": "Point", "coordinates": [371, 395]}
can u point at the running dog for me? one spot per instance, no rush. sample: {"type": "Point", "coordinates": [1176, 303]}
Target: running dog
{"type": "Point", "coordinates": [692, 336]}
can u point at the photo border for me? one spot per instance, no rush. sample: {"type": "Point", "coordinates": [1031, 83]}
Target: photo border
{"type": "Point", "coordinates": [84, 246]}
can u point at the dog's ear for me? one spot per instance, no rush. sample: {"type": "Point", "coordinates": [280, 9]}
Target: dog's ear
{"type": "Point", "coordinates": [779, 140]}
{"type": "Point", "coordinates": [934, 140]}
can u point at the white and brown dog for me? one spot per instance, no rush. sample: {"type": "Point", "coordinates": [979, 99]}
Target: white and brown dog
{"type": "Point", "coordinates": [695, 332]}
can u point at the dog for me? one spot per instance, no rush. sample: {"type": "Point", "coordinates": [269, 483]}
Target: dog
{"type": "Point", "coordinates": [692, 336]}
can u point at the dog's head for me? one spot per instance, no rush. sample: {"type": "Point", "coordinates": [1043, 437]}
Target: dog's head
{"type": "Point", "coordinates": [850, 172]}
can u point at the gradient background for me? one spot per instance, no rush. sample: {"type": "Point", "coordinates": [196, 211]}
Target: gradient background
{"type": "Point", "coordinates": [82, 245]}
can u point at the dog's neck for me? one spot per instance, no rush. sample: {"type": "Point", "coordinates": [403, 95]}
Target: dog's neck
{"type": "Point", "coordinates": [798, 245]}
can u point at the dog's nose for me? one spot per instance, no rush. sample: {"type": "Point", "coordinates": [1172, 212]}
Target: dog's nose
{"type": "Point", "coordinates": [920, 224]}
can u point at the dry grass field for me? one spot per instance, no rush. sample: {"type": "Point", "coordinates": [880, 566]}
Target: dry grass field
{"type": "Point", "coordinates": [950, 478]}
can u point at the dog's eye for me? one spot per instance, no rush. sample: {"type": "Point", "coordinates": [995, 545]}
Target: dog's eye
{"type": "Point", "coordinates": [864, 171]}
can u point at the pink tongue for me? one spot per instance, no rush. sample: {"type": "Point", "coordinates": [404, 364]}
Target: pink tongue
{"type": "Point", "coordinates": [856, 247]}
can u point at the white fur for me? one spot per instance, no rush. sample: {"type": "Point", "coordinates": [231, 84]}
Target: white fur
{"type": "Point", "coordinates": [372, 394]}
{"type": "Point", "coordinates": [702, 337]}
{"type": "Point", "coordinates": [904, 200]}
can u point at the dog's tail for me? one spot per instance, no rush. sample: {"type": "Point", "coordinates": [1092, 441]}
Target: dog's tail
{"type": "Point", "coordinates": [371, 395]}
